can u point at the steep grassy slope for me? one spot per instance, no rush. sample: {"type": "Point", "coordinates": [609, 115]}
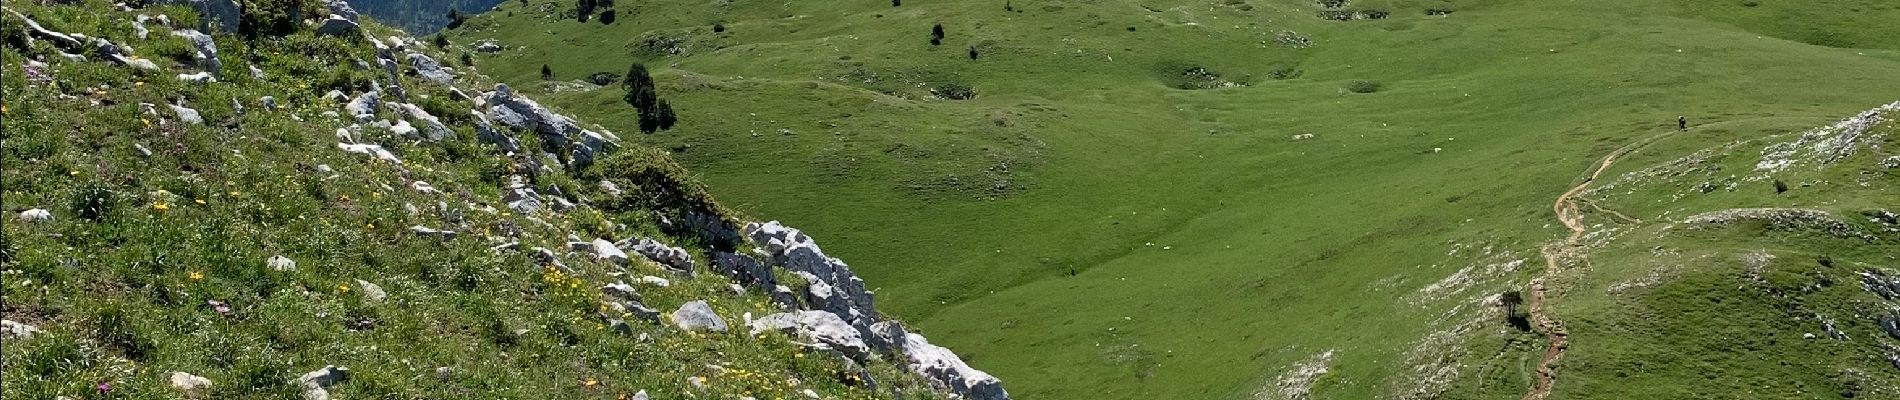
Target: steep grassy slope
{"type": "Point", "coordinates": [170, 223]}
{"type": "Point", "coordinates": [1090, 230]}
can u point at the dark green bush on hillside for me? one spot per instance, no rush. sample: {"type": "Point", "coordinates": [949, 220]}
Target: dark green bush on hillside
{"type": "Point", "coordinates": [262, 18]}
{"type": "Point", "coordinates": [1363, 86]}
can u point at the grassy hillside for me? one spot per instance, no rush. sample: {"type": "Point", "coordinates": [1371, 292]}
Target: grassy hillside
{"type": "Point", "coordinates": [179, 230]}
{"type": "Point", "coordinates": [1122, 210]}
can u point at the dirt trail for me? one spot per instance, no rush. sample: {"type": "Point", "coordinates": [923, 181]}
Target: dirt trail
{"type": "Point", "coordinates": [1568, 212]}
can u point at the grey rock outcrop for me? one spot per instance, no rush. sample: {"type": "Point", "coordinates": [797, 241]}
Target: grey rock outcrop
{"type": "Point", "coordinates": [673, 258]}
{"type": "Point", "coordinates": [431, 127]}
{"type": "Point", "coordinates": [833, 288]}
{"type": "Point", "coordinates": [944, 369]}
{"type": "Point", "coordinates": [337, 25]}
{"type": "Point", "coordinates": [820, 327]}
{"type": "Point", "coordinates": [364, 107]}
{"type": "Point", "coordinates": [429, 69]}
{"type": "Point", "coordinates": [606, 250]}
{"type": "Point", "coordinates": [556, 131]}
{"type": "Point", "coordinates": [698, 316]}
{"type": "Point", "coordinates": [204, 51]}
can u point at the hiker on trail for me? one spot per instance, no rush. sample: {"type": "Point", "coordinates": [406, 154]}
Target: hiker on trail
{"type": "Point", "coordinates": [1682, 123]}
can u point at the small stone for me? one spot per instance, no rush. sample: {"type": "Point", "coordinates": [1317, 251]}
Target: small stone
{"type": "Point", "coordinates": [698, 315]}
{"type": "Point", "coordinates": [316, 383]}
{"type": "Point", "coordinates": [36, 215]}
{"type": "Point", "coordinates": [17, 330]}
{"type": "Point", "coordinates": [620, 290]}
{"type": "Point", "coordinates": [281, 263]}
{"type": "Point", "coordinates": [198, 78]}
{"type": "Point", "coordinates": [428, 232]}
{"type": "Point", "coordinates": [656, 281]}
{"type": "Point", "coordinates": [188, 115]}
{"type": "Point", "coordinates": [193, 385]}
{"type": "Point", "coordinates": [371, 291]}
{"type": "Point", "coordinates": [697, 382]}
{"type": "Point", "coordinates": [642, 395]}
{"type": "Point", "coordinates": [443, 373]}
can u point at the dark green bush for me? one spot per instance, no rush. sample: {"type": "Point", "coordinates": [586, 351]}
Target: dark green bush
{"type": "Point", "coordinates": [1363, 86]}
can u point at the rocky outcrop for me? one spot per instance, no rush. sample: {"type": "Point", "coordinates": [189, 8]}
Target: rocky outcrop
{"type": "Point", "coordinates": [429, 69]}
{"type": "Point", "coordinates": [431, 127]}
{"type": "Point", "coordinates": [670, 257]}
{"type": "Point", "coordinates": [556, 131]}
{"type": "Point", "coordinates": [944, 369]}
{"type": "Point", "coordinates": [204, 50]}
{"type": "Point", "coordinates": [822, 328]}
{"type": "Point", "coordinates": [1825, 145]}
{"type": "Point", "coordinates": [364, 107]}
{"type": "Point", "coordinates": [832, 285]}
{"type": "Point", "coordinates": [835, 290]}
{"type": "Point", "coordinates": [1781, 219]}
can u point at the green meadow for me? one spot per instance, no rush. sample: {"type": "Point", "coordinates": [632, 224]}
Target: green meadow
{"type": "Point", "coordinates": [1123, 210]}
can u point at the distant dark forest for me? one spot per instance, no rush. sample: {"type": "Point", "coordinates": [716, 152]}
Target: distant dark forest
{"type": "Point", "coordinates": [419, 17]}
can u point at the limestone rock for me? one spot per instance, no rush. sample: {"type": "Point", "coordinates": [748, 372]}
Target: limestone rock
{"type": "Point", "coordinates": [281, 263]}
{"type": "Point", "coordinates": [188, 115]}
{"type": "Point", "coordinates": [17, 330]}
{"type": "Point", "coordinates": [204, 50]}
{"type": "Point", "coordinates": [363, 108]}
{"type": "Point", "coordinates": [945, 370]}
{"type": "Point", "coordinates": [697, 315]}
{"type": "Point", "coordinates": [36, 215]}
{"type": "Point", "coordinates": [817, 326]}
{"type": "Point", "coordinates": [371, 291]}
{"type": "Point", "coordinates": [429, 69]}
{"type": "Point", "coordinates": [337, 25]}
{"type": "Point", "coordinates": [192, 385]}
{"type": "Point", "coordinates": [316, 383]}
{"type": "Point", "coordinates": [200, 78]}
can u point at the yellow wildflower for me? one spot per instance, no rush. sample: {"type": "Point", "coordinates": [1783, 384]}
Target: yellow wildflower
{"type": "Point", "coordinates": [590, 382]}
{"type": "Point", "coordinates": [160, 206]}
{"type": "Point", "coordinates": [341, 288]}
{"type": "Point", "coordinates": [200, 201]}
{"type": "Point", "coordinates": [197, 276]}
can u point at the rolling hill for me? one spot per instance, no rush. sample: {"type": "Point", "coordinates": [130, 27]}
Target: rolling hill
{"type": "Point", "coordinates": [1291, 199]}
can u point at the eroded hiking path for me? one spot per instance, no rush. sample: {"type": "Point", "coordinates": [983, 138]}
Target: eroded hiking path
{"type": "Point", "coordinates": [1567, 211]}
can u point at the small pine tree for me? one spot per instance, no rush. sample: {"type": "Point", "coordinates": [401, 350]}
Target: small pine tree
{"type": "Point", "coordinates": [641, 93]}
{"type": "Point", "coordinates": [546, 73]}
{"type": "Point", "coordinates": [973, 53]}
{"type": "Point", "coordinates": [1780, 187]}
{"type": "Point", "coordinates": [608, 17]}
{"type": "Point", "coordinates": [584, 9]}
{"type": "Point", "coordinates": [665, 116]}
{"type": "Point", "coordinates": [456, 19]}
{"type": "Point", "coordinates": [897, 3]}
{"type": "Point", "coordinates": [719, 27]}
{"type": "Point", "coordinates": [649, 121]}
{"type": "Point", "coordinates": [937, 31]}
{"type": "Point", "coordinates": [441, 41]}
{"type": "Point", "coordinates": [1007, 6]}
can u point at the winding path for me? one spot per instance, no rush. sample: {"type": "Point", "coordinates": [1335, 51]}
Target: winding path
{"type": "Point", "coordinates": [1568, 212]}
